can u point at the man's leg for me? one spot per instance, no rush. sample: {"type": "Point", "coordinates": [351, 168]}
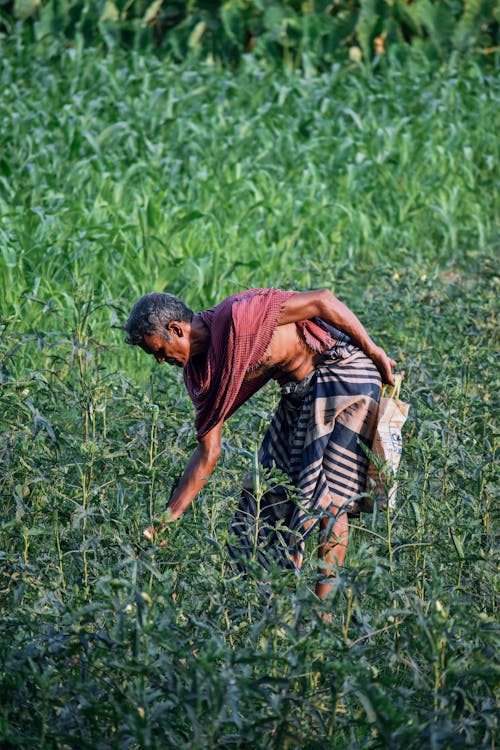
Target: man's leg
{"type": "Point", "coordinates": [332, 549]}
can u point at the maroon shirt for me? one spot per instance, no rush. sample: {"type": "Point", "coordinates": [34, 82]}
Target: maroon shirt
{"type": "Point", "coordinates": [241, 328]}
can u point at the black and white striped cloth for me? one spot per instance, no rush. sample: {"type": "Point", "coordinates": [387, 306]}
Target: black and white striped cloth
{"type": "Point", "coordinates": [314, 438]}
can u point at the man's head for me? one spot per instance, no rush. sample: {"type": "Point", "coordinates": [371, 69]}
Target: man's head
{"type": "Point", "coordinates": [160, 324]}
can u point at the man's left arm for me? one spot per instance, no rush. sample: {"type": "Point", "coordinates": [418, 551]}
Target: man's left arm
{"type": "Point", "coordinates": [323, 304]}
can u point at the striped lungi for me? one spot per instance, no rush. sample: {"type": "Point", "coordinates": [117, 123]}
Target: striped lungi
{"type": "Point", "coordinates": [315, 438]}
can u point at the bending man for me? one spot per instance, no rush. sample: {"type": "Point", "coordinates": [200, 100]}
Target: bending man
{"type": "Point", "coordinates": [330, 373]}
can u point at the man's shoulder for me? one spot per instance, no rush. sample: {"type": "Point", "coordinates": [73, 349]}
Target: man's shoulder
{"type": "Point", "coordinates": [225, 306]}
{"type": "Point", "coordinates": [249, 312]}
{"type": "Point", "coordinates": [243, 295]}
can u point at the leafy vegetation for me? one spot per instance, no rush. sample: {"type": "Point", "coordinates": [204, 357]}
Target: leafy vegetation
{"type": "Point", "coordinates": [120, 174]}
{"type": "Point", "coordinates": [295, 32]}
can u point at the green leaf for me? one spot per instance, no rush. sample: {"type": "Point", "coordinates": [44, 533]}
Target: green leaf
{"type": "Point", "coordinates": [23, 9]}
{"type": "Point", "coordinates": [197, 34]}
{"type": "Point", "coordinates": [152, 12]}
{"type": "Point", "coordinates": [110, 12]}
{"type": "Point", "coordinates": [476, 13]}
{"type": "Point", "coordinates": [9, 255]}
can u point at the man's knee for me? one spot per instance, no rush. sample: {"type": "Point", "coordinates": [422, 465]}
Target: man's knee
{"type": "Point", "coordinates": [334, 527]}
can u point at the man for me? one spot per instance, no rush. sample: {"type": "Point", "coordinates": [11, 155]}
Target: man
{"type": "Point", "coordinates": [330, 373]}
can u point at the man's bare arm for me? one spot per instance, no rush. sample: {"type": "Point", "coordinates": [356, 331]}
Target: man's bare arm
{"type": "Point", "coordinates": [197, 471]}
{"type": "Point", "coordinates": [194, 477]}
{"type": "Point", "coordinates": [323, 304]}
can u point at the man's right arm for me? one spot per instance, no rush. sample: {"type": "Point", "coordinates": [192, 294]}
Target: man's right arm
{"type": "Point", "coordinates": [194, 477]}
{"type": "Point", "coordinates": [197, 471]}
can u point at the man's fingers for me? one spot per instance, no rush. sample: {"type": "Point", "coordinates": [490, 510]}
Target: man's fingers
{"type": "Point", "coordinates": [150, 532]}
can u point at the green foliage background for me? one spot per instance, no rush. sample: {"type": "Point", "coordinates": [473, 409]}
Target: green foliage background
{"type": "Point", "coordinates": [296, 32]}
{"type": "Point", "coordinates": [121, 173]}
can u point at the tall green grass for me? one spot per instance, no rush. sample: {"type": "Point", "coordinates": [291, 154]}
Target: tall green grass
{"type": "Point", "coordinates": [120, 175]}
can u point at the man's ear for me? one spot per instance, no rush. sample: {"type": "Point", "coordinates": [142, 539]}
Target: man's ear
{"type": "Point", "coordinates": [176, 328]}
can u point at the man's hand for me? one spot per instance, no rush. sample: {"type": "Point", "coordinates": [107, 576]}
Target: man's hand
{"type": "Point", "coordinates": [154, 530]}
{"type": "Point", "coordinates": [383, 363]}
{"type": "Point", "coordinates": [150, 532]}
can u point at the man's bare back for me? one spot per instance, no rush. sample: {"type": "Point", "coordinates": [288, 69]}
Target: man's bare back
{"type": "Point", "coordinates": [287, 355]}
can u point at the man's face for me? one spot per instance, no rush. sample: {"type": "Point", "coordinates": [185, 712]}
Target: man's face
{"type": "Point", "coordinates": [174, 352]}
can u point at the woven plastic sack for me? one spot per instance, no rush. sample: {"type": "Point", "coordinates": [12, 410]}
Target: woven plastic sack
{"type": "Point", "coordinates": [381, 484]}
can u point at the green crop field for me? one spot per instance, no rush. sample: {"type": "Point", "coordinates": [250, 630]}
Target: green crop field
{"type": "Point", "coordinates": [122, 174]}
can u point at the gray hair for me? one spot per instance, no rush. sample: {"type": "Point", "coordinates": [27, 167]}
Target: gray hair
{"type": "Point", "coordinates": [152, 313]}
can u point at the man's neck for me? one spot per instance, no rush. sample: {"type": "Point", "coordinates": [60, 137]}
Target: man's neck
{"type": "Point", "coordinates": [199, 336]}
